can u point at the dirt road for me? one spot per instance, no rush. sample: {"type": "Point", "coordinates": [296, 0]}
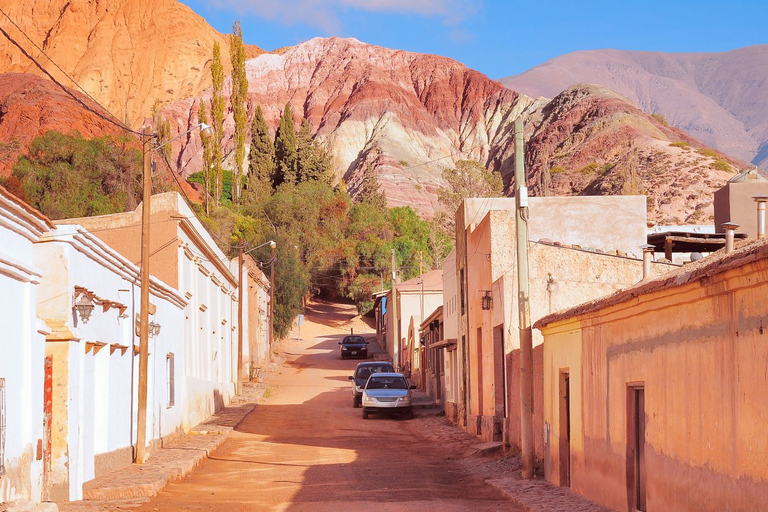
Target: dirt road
{"type": "Point", "coordinates": [306, 448]}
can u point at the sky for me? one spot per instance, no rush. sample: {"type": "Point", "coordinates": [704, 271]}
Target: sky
{"type": "Point", "coordinates": [496, 37]}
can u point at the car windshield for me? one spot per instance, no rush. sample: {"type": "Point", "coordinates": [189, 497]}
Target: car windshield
{"type": "Point", "coordinates": [354, 340]}
{"type": "Point", "coordinates": [387, 383]}
{"type": "Point", "coordinates": [366, 371]}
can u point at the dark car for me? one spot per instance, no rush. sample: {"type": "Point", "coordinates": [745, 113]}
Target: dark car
{"type": "Point", "coordinates": [360, 377]}
{"type": "Point", "coordinates": [353, 346]}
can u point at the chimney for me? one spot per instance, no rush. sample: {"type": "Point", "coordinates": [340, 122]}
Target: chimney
{"type": "Point", "coordinates": [760, 200]}
{"type": "Point", "coordinates": [730, 232]}
{"type": "Point", "coordinates": [647, 258]}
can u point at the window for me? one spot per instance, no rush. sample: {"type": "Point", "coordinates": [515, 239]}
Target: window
{"type": "Point", "coordinates": [2, 426]}
{"type": "Point", "coordinates": [170, 372]}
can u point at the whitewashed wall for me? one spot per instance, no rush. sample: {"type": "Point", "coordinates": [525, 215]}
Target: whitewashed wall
{"type": "Point", "coordinates": [98, 364]}
{"type": "Point", "coordinates": [22, 351]}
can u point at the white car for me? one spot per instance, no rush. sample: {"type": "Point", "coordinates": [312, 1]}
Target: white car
{"type": "Point", "coordinates": [387, 393]}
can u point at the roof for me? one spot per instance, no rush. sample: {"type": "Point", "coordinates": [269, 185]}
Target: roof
{"type": "Point", "coordinates": [433, 282]}
{"type": "Point", "coordinates": [437, 313]}
{"type": "Point", "coordinates": [684, 241]}
{"type": "Point", "coordinates": [34, 215]}
{"type": "Point", "coordinates": [746, 252]}
{"type": "Point", "coordinates": [751, 175]}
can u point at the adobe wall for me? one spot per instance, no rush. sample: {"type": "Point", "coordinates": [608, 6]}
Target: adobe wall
{"type": "Point", "coordinates": [700, 351]}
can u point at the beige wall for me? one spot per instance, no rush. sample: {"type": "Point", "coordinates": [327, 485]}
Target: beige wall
{"type": "Point", "coordinates": [560, 277]}
{"type": "Point", "coordinates": [699, 351]}
{"type": "Point", "coordinates": [734, 203]}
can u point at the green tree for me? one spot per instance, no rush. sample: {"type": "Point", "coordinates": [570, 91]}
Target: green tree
{"type": "Point", "coordinates": [313, 163]}
{"type": "Point", "coordinates": [207, 143]}
{"type": "Point", "coordinates": [468, 178]}
{"type": "Point", "coordinates": [66, 176]}
{"type": "Point", "coordinates": [369, 190]}
{"type": "Point", "coordinates": [238, 99]}
{"type": "Point", "coordinates": [261, 156]}
{"type": "Point", "coordinates": [162, 128]}
{"type": "Point", "coordinates": [217, 117]}
{"type": "Point", "coordinates": [285, 149]}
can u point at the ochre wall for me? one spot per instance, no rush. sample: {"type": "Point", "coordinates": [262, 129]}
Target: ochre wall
{"type": "Point", "coordinates": [701, 352]}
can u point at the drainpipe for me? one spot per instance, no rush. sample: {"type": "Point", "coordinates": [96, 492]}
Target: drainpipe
{"type": "Point", "coordinates": [730, 232]}
{"type": "Point", "coordinates": [760, 200]}
{"type": "Point", "coordinates": [647, 258]}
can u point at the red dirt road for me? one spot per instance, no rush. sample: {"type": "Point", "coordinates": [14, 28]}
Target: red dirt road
{"type": "Point", "coordinates": [305, 447]}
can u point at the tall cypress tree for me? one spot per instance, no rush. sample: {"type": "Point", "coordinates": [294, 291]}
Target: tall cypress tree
{"type": "Point", "coordinates": [238, 99]}
{"type": "Point", "coordinates": [205, 138]}
{"type": "Point", "coordinates": [261, 156]}
{"type": "Point", "coordinates": [217, 117]}
{"type": "Point", "coordinates": [313, 163]}
{"type": "Point", "coordinates": [285, 149]}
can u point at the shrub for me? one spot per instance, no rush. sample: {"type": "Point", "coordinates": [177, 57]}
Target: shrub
{"type": "Point", "coordinates": [660, 118]}
{"type": "Point", "coordinates": [681, 144]}
{"type": "Point", "coordinates": [557, 170]}
{"type": "Point", "coordinates": [592, 168]}
{"type": "Point", "coordinates": [707, 152]}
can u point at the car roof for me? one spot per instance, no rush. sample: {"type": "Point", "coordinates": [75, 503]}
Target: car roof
{"type": "Point", "coordinates": [373, 363]}
{"type": "Point", "coordinates": [381, 375]}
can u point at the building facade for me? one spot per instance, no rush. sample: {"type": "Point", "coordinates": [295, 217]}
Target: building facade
{"type": "Point", "coordinates": [23, 412]}
{"type": "Point", "coordinates": [654, 398]}
{"type": "Point", "coordinates": [89, 297]}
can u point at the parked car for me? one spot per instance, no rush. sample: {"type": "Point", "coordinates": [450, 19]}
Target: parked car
{"type": "Point", "coordinates": [387, 393]}
{"type": "Point", "coordinates": [360, 377]}
{"type": "Point", "coordinates": [353, 346]}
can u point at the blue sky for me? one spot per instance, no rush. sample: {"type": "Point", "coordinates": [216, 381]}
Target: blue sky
{"type": "Point", "coordinates": [498, 38]}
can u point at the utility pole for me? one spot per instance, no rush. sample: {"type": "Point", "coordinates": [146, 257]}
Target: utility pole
{"type": "Point", "coordinates": [271, 299]}
{"type": "Point", "coordinates": [239, 385]}
{"type": "Point", "coordinates": [421, 282]}
{"type": "Point", "coordinates": [523, 302]}
{"type": "Point", "coordinates": [395, 330]}
{"type": "Point", "coordinates": [141, 414]}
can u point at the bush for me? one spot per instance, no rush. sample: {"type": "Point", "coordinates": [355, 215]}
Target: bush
{"type": "Point", "coordinates": [660, 118]}
{"type": "Point", "coordinates": [681, 144]}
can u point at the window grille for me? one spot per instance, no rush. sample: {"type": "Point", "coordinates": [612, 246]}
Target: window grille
{"type": "Point", "coordinates": [2, 426]}
{"type": "Point", "coordinates": [170, 371]}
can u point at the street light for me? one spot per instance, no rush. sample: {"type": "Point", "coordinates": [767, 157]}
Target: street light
{"type": "Point", "coordinates": [141, 414]}
{"type": "Point", "coordinates": [240, 309]}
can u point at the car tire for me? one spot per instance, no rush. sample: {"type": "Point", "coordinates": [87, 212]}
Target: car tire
{"type": "Point", "coordinates": [365, 414]}
{"type": "Point", "coordinates": [409, 415]}
{"type": "Point", "coordinates": [355, 402]}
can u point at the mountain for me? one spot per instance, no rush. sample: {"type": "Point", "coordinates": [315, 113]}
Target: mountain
{"type": "Point", "coordinates": [31, 106]}
{"type": "Point", "coordinates": [412, 115]}
{"type": "Point", "coordinates": [127, 54]}
{"type": "Point", "coordinates": [719, 98]}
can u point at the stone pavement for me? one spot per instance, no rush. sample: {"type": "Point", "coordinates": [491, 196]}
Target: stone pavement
{"type": "Point", "coordinates": [541, 496]}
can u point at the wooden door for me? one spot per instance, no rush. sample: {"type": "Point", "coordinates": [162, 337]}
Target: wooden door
{"type": "Point", "coordinates": [565, 429]}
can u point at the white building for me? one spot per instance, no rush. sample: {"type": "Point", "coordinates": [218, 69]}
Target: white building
{"type": "Point", "coordinates": [22, 353]}
{"type": "Point", "coordinates": [90, 297]}
{"type": "Point", "coordinates": [185, 257]}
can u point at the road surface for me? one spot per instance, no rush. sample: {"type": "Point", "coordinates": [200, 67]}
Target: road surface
{"type": "Point", "coordinates": [305, 447]}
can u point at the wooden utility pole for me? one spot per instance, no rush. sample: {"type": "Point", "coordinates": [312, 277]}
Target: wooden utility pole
{"type": "Point", "coordinates": [141, 415]}
{"type": "Point", "coordinates": [239, 385]}
{"type": "Point", "coordinates": [271, 299]}
{"type": "Point", "coordinates": [421, 281]}
{"type": "Point", "coordinates": [395, 330]}
{"type": "Point", "coordinates": [523, 302]}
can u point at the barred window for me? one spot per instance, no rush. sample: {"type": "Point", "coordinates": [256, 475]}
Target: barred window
{"type": "Point", "coordinates": [170, 372]}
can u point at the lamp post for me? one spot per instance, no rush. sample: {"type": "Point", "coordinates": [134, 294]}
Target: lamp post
{"type": "Point", "coordinates": [141, 414]}
{"type": "Point", "coordinates": [240, 308]}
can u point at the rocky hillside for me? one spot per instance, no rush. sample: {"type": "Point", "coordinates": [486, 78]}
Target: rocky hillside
{"type": "Point", "coordinates": [127, 54]}
{"type": "Point", "coordinates": [719, 98]}
{"type": "Point", "coordinates": [412, 115]}
{"type": "Point", "coordinates": [31, 106]}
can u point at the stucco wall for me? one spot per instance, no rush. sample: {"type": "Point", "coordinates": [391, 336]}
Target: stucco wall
{"type": "Point", "coordinates": [700, 352]}
{"type": "Point", "coordinates": [22, 350]}
{"type": "Point", "coordinates": [94, 367]}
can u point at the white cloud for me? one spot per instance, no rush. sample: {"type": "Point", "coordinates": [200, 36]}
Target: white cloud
{"type": "Point", "coordinates": [324, 14]}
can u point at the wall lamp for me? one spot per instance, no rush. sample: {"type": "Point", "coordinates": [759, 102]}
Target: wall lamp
{"type": "Point", "coordinates": [84, 307]}
{"type": "Point", "coordinates": [486, 300]}
{"type": "Point", "coordinates": [154, 329]}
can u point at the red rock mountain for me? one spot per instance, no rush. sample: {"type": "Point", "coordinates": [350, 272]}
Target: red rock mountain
{"type": "Point", "coordinates": [127, 54]}
{"type": "Point", "coordinates": [31, 106]}
{"type": "Point", "coordinates": [412, 115]}
{"type": "Point", "coordinates": [719, 98]}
